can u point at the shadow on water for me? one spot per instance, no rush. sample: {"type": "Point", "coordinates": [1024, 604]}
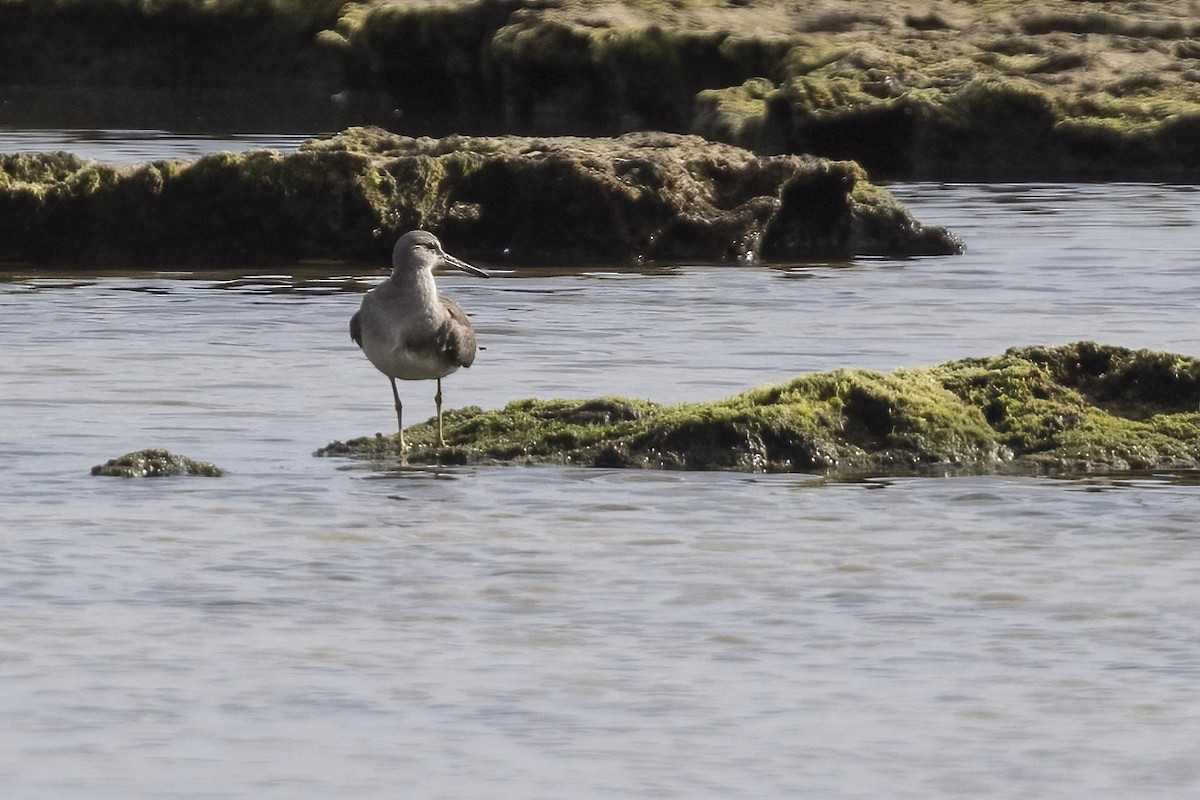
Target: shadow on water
{"type": "Point", "coordinates": [1121, 481]}
{"type": "Point", "coordinates": [273, 109]}
{"type": "Point", "coordinates": [132, 124]}
{"type": "Point", "coordinates": [398, 469]}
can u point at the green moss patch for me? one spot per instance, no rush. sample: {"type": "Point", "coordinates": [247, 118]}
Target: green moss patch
{"type": "Point", "coordinates": [1082, 407]}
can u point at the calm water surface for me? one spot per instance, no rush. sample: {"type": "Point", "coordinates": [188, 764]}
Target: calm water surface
{"type": "Point", "coordinates": [307, 627]}
{"type": "Point", "coordinates": [122, 146]}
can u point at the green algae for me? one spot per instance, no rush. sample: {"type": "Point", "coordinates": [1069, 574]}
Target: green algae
{"type": "Point", "coordinates": [736, 113]}
{"type": "Point", "coordinates": [1089, 405]}
{"type": "Point", "coordinates": [155, 464]}
{"type": "Point", "coordinates": [1082, 407]}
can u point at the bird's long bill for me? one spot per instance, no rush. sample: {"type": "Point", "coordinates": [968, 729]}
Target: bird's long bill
{"type": "Point", "coordinates": [458, 263]}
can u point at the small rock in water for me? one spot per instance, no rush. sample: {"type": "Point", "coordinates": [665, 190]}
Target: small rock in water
{"type": "Point", "coordinates": [155, 464]}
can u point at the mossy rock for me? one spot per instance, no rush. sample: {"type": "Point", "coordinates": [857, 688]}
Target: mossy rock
{"type": "Point", "coordinates": [625, 200]}
{"type": "Point", "coordinates": [155, 464]}
{"type": "Point", "coordinates": [1082, 407]}
{"type": "Point", "coordinates": [636, 198]}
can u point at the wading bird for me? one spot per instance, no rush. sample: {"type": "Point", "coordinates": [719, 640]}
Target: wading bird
{"type": "Point", "coordinates": [409, 331]}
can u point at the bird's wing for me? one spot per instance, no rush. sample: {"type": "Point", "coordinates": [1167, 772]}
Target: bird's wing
{"type": "Point", "coordinates": [456, 339]}
{"type": "Point", "coordinates": [356, 329]}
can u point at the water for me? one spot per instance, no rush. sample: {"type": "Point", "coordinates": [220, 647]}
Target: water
{"type": "Point", "coordinates": [130, 125]}
{"type": "Point", "coordinates": [311, 627]}
{"type": "Point", "coordinates": [126, 146]}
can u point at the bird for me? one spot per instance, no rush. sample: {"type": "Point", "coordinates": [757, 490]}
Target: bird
{"type": "Point", "coordinates": [408, 330]}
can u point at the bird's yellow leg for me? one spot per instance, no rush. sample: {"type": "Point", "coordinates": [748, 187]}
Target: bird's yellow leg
{"type": "Point", "coordinates": [399, 416]}
{"type": "Point", "coordinates": [437, 399]}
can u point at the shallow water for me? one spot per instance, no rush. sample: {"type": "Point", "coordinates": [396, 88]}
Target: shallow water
{"type": "Point", "coordinates": [312, 627]}
{"type": "Point", "coordinates": [121, 146]}
{"type": "Point", "coordinates": [130, 125]}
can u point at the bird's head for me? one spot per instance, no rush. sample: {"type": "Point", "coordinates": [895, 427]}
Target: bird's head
{"type": "Point", "coordinates": [421, 250]}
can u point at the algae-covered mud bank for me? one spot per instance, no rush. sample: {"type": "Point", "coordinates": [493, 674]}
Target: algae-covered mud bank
{"type": "Point", "coordinates": [524, 200]}
{"type": "Point", "coordinates": [1077, 408]}
{"type": "Point", "coordinates": [912, 89]}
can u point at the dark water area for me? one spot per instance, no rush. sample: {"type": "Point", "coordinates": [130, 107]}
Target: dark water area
{"type": "Point", "coordinates": [315, 627]}
{"type": "Point", "coordinates": [273, 110]}
{"type": "Point", "coordinates": [93, 121]}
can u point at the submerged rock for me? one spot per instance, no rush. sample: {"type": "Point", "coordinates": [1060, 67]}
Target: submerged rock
{"type": "Point", "coordinates": [1082, 407]}
{"type": "Point", "coordinates": [527, 200]}
{"type": "Point", "coordinates": [155, 464]}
